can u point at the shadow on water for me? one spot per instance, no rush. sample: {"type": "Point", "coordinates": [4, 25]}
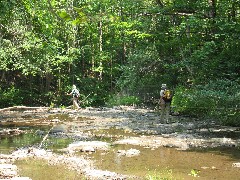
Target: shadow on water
{"type": "Point", "coordinates": [231, 152]}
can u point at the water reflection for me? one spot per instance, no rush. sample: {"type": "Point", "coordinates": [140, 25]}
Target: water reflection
{"type": "Point", "coordinates": [11, 143]}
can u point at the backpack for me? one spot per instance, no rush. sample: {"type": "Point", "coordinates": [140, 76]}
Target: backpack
{"type": "Point", "coordinates": [76, 93]}
{"type": "Point", "coordinates": [167, 95]}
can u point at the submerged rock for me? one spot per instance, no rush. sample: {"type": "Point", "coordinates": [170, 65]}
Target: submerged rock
{"type": "Point", "coordinates": [58, 129]}
{"type": "Point", "coordinates": [129, 153]}
{"type": "Point", "coordinates": [88, 149]}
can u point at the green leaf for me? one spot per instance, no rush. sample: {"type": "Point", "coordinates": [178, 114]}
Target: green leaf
{"type": "Point", "coordinates": [64, 15]}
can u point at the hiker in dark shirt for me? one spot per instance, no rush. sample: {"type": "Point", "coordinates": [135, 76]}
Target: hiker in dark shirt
{"type": "Point", "coordinates": [164, 102]}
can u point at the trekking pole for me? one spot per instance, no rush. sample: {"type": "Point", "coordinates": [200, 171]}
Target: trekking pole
{"type": "Point", "coordinates": [86, 97]}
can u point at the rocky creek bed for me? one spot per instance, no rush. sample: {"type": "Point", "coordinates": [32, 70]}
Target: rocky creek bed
{"type": "Point", "coordinates": [134, 126]}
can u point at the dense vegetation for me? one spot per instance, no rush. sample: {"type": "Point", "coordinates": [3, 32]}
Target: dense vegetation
{"type": "Point", "coordinates": [119, 51]}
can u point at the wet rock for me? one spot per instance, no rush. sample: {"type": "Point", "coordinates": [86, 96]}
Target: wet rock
{"type": "Point", "coordinates": [129, 153]}
{"type": "Point", "coordinates": [128, 141]}
{"type": "Point", "coordinates": [100, 174]}
{"type": "Point", "coordinates": [228, 142]}
{"type": "Point", "coordinates": [39, 132]}
{"type": "Point", "coordinates": [55, 120]}
{"type": "Point", "coordinates": [58, 129]}
{"type": "Point", "coordinates": [87, 149]}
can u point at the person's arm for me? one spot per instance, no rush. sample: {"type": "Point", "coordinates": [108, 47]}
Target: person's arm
{"type": "Point", "coordinates": [161, 93]}
{"type": "Point", "coordinates": [70, 93]}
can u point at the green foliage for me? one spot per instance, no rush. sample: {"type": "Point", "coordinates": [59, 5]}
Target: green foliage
{"type": "Point", "coordinates": [217, 99]}
{"type": "Point", "coordinates": [144, 69]}
{"type": "Point", "coordinates": [165, 174]}
{"type": "Point", "coordinates": [194, 173]}
{"type": "Point", "coordinates": [10, 97]}
{"type": "Point", "coordinates": [117, 100]}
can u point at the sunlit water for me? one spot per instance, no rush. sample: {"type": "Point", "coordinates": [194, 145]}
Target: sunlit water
{"type": "Point", "coordinates": [208, 164]}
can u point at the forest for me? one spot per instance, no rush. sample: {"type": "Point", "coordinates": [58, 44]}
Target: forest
{"type": "Point", "coordinates": [119, 52]}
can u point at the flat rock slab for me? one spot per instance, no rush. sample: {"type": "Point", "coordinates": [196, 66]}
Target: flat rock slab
{"type": "Point", "coordinates": [8, 166]}
{"type": "Point", "coordinates": [8, 170]}
{"type": "Point", "coordinates": [20, 178]}
{"type": "Point", "coordinates": [88, 146]}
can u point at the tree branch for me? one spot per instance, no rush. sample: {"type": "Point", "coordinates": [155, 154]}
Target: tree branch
{"type": "Point", "coordinates": [160, 3]}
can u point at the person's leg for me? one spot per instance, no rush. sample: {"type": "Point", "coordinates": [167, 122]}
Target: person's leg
{"type": "Point", "coordinates": [75, 104]}
{"type": "Point", "coordinates": [167, 111]}
{"type": "Point", "coordinates": [162, 106]}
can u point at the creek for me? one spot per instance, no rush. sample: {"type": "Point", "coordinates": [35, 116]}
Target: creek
{"type": "Point", "coordinates": [127, 141]}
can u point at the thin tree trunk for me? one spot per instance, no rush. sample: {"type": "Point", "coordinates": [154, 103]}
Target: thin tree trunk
{"type": "Point", "coordinates": [100, 45]}
{"type": "Point", "coordinates": [233, 11]}
{"type": "Point", "coordinates": [212, 6]}
{"type": "Point", "coordinates": [3, 75]}
{"type": "Point", "coordinates": [48, 81]}
{"type": "Point", "coordinates": [59, 81]}
{"type": "Point", "coordinates": [124, 48]}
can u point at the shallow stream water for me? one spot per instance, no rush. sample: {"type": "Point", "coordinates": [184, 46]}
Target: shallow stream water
{"type": "Point", "coordinates": [201, 163]}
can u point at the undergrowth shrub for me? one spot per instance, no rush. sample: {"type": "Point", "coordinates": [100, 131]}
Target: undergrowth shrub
{"type": "Point", "coordinates": [117, 100]}
{"type": "Point", "coordinates": [218, 99]}
{"type": "Point", "coordinates": [10, 97]}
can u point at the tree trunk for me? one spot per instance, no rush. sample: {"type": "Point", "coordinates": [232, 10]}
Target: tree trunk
{"type": "Point", "coordinates": [160, 3]}
{"type": "Point", "coordinates": [48, 81]}
{"type": "Point", "coordinates": [233, 11]}
{"type": "Point", "coordinates": [100, 47]}
{"type": "Point", "coordinates": [3, 76]}
{"type": "Point", "coordinates": [212, 7]}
